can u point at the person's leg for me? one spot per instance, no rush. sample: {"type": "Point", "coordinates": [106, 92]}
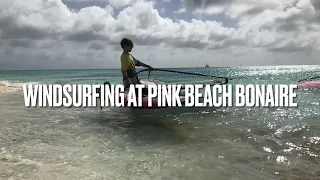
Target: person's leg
{"type": "Point", "coordinates": [145, 91]}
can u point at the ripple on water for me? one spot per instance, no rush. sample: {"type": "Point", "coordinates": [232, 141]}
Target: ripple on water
{"type": "Point", "coordinates": [121, 143]}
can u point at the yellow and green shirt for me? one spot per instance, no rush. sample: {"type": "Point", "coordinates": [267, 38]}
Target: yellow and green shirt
{"type": "Point", "coordinates": [128, 63]}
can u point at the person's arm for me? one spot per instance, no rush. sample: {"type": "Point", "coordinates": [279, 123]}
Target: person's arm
{"type": "Point", "coordinates": [139, 63]}
{"type": "Point", "coordinates": [145, 65]}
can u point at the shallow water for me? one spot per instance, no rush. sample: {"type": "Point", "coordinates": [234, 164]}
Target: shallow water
{"type": "Point", "coordinates": [176, 143]}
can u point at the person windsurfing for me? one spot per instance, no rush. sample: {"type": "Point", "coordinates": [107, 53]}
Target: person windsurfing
{"type": "Point", "coordinates": [128, 64]}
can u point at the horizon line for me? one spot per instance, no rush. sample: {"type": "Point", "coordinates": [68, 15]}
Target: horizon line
{"type": "Point", "coordinates": [158, 67]}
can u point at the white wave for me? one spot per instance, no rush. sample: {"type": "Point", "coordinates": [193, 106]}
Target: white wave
{"type": "Point", "coordinates": [268, 150]}
{"type": "Point", "coordinates": [315, 140]}
{"type": "Point", "coordinates": [282, 160]}
{"type": "Point", "coordinates": [7, 86]}
{"type": "Point", "coordinates": [19, 161]}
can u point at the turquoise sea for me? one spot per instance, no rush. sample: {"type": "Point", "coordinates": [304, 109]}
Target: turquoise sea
{"type": "Point", "coordinates": [227, 143]}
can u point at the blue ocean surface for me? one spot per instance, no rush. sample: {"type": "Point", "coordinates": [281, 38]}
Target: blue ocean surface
{"type": "Point", "coordinates": [265, 74]}
{"type": "Point", "coordinates": [170, 143]}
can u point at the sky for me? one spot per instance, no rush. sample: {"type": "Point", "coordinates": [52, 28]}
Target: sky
{"type": "Point", "coordinates": [85, 34]}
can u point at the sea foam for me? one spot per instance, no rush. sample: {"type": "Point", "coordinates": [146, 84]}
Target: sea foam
{"type": "Point", "coordinates": [7, 86]}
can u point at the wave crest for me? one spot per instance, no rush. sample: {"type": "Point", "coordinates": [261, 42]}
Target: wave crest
{"type": "Point", "coordinates": [7, 86]}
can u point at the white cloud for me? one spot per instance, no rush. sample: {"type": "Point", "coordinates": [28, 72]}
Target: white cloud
{"type": "Point", "coordinates": [47, 31]}
{"type": "Point", "coordinates": [181, 10]}
{"type": "Point", "coordinates": [120, 3]}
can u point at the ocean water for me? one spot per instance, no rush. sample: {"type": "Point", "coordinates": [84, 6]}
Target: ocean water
{"type": "Point", "coordinates": [227, 143]}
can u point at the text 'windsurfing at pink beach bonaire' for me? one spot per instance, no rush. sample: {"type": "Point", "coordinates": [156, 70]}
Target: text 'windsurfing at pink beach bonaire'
{"type": "Point", "coordinates": [199, 95]}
